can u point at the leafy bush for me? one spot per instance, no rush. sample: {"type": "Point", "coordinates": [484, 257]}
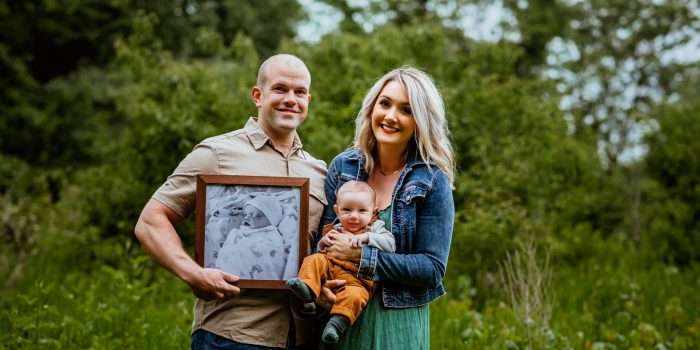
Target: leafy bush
{"type": "Point", "coordinates": [670, 208]}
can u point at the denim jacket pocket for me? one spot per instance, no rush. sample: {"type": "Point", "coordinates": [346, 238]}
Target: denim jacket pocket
{"type": "Point", "coordinates": [413, 190]}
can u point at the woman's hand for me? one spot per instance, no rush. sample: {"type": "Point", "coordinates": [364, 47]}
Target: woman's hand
{"type": "Point", "coordinates": [341, 248]}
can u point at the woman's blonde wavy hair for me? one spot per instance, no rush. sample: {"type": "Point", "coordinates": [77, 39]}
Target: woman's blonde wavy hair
{"type": "Point", "coordinates": [431, 137]}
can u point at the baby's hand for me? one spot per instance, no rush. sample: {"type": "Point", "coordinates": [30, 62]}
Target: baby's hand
{"type": "Point", "coordinates": [324, 243]}
{"type": "Point", "coordinates": [357, 240]}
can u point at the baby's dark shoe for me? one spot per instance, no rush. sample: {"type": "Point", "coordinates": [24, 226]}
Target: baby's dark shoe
{"type": "Point", "coordinates": [335, 327]}
{"type": "Point", "coordinates": [304, 293]}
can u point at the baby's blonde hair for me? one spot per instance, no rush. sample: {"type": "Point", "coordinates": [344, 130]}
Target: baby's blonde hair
{"type": "Point", "coordinates": [356, 186]}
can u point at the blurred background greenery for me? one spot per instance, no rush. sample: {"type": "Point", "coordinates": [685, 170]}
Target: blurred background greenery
{"type": "Point", "coordinates": [575, 125]}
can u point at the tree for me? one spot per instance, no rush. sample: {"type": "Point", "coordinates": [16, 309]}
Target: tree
{"type": "Point", "coordinates": [613, 61]}
{"type": "Point", "coordinates": [670, 207]}
{"type": "Point", "coordinates": [44, 41]}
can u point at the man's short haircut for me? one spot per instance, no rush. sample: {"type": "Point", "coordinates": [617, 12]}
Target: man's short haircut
{"type": "Point", "coordinates": [356, 186]}
{"type": "Point", "coordinates": [287, 59]}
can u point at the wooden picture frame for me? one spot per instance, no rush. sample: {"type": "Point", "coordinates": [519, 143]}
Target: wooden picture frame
{"type": "Point", "coordinates": [254, 227]}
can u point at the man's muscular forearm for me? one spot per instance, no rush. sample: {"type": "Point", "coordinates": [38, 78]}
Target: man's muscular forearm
{"type": "Point", "coordinates": [156, 232]}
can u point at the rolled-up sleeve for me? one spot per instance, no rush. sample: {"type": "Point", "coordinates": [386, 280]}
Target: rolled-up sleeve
{"type": "Point", "coordinates": [179, 190]}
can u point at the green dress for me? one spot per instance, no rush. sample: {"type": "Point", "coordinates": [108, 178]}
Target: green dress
{"type": "Point", "coordinates": [384, 328]}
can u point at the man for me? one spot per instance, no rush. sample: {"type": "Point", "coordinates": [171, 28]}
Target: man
{"type": "Point", "coordinates": [267, 145]}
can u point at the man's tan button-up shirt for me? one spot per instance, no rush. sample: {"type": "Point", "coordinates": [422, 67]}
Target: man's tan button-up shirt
{"type": "Point", "coordinates": [258, 317]}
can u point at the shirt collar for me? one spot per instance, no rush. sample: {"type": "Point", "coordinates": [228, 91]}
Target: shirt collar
{"type": "Point", "coordinates": [259, 138]}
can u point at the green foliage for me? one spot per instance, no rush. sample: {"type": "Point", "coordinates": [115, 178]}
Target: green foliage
{"type": "Point", "coordinates": [132, 306]}
{"type": "Point", "coordinates": [51, 39]}
{"type": "Point", "coordinates": [40, 41]}
{"type": "Point", "coordinates": [670, 198]}
{"type": "Point", "coordinates": [609, 302]}
{"type": "Point", "coordinates": [613, 60]}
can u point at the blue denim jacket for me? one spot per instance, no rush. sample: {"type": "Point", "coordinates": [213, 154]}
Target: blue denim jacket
{"type": "Point", "coordinates": [422, 220]}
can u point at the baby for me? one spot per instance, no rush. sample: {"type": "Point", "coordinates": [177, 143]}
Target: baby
{"type": "Point", "coordinates": [355, 208]}
{"type": "Point", "coordinates": [256, 250]}
{"type": "Point", "coordinates": [223, 220]}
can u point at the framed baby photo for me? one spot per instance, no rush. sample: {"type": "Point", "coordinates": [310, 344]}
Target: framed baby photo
{"type": "Point", "coordinates": [253, 227]}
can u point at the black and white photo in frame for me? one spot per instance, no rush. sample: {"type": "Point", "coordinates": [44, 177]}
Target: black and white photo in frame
{"type": "Point", "coordinates": [252, 229]}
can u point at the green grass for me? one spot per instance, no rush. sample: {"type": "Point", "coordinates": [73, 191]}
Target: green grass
{"type": "Point", "coordinates": [136, 305]}
{"type": "Point", "coordinates": [605, 303]}
{"type": "Point", "coordinates": [116, 297]}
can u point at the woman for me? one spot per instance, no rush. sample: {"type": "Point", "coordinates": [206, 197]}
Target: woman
{"type": "Point", "coordinates": [402, 150]}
